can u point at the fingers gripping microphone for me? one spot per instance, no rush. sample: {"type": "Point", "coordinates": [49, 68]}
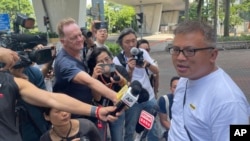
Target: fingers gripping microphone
{"type": "Point", "coordinates": [130, 97]}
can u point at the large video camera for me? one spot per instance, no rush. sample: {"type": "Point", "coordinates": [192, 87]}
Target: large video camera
{"type": "Point", "coordinates": [24, 44]}
{"type": "Point", "coordinates": [138, 56]}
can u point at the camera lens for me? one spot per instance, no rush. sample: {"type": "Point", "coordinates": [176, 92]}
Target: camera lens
{"type": "Point", "coordinates": [89, 34]}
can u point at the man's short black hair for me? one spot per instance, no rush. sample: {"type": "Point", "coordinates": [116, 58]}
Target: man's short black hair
{"type": "Point", "coordinates": [173, 79]}
{"type": "Point", "coordinates": [100, 25]}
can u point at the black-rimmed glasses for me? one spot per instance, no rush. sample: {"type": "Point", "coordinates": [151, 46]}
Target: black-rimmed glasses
{"type": "Point", "coordinates": [187, 52]}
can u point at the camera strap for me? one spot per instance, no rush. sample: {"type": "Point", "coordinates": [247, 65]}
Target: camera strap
{"type": "Point", "coordinates": [109, 85]}
{"type": "Point", "coordinates": [122, 60]}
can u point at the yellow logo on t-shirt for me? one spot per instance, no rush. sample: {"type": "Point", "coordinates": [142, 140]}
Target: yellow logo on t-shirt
{"type": "Point", "coordinates": [192, 106]}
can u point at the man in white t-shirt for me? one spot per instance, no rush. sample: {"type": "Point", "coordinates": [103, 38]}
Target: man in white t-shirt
{"type": "Point", "coordinates": [207, 101]}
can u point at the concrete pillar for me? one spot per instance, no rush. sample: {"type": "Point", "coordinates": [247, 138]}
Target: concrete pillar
{"type": "Point", "coordinates": [57, 10]}
{"type": "Point", "coordinates": [152, 17]}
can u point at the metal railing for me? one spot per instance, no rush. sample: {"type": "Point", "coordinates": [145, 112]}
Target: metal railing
{"type": "Point", "coordinates": [228, 45]}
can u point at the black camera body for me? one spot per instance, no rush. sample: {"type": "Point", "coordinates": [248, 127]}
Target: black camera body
{"type": "Point", "coordinates": [138, 56]}
{"type": "Point", "coordinates": [23, 44]}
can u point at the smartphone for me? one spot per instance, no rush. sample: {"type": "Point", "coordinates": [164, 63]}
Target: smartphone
{"type": "Point", "coordinates": [107, 68]}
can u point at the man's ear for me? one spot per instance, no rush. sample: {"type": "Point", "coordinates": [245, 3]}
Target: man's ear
{"type": "Point", "coordinates": [46, 117]}
{"type": "Point", "coordinates": [214, 54]}
{"type": "Point", "coordinates": [62, 40]}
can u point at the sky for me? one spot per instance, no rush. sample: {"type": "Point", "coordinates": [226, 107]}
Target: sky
{"type": "Point", "coordinates": [88, 2]}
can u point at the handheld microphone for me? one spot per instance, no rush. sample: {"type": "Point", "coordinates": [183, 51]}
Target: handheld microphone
{"type": "Point", "coordinates": [130, 97]}
{"type": "Point", "coordinates": [139, 128]}
{"type": "Point", "coordinates": [144, 96]}
{"type": "Point", "coordinates": [121, 92]}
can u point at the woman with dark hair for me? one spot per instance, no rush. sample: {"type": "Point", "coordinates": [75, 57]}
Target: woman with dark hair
{"type": "Point", "coordinates": [66, 129]}
{"type": "Point", "coordinates": [115, 77]}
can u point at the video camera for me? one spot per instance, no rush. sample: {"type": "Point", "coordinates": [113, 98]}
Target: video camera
{"type": "Point", "coordinates": [23, 44]}
{"type": "Point", "coordinates": [138, 56]}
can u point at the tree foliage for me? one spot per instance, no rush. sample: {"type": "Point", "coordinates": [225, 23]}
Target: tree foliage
{"type": "Point", "coordinates": [12, 7]}
{"type": "Point", "coordinates": [118, 16]}
{"type": "Point", "coordinates": [207, 11]}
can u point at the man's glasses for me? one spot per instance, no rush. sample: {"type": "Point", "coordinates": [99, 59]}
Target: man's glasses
{"type": "Point", "coordinates": [187, 52]}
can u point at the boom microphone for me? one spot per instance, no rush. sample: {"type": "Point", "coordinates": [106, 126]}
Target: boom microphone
{"type": "Point", "coordinates": [130, 97]}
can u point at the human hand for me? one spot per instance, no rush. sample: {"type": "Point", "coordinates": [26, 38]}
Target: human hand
{"type": "Point", "coordinates": [50, 74]}
{"type": "Point", "coordinates": [18, 73]}
{"type": "Point", "coordinates": [8, 57]}
{"type": "Point", "coordinates": [131, 63]}
{"type": "Point", "coordinates": [146, 64]}
{"type": "Point", "coordinates": [97, 70]}
{"type": "Point", "coordinates": [104, 113]}
{"type": "Point", "coordinates": [118, 78]}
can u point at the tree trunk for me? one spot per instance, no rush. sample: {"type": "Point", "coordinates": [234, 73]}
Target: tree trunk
{"type": "Point", "coordinates": [227, 16]}
{"type": "Point", "coordinates": [186, 10]}
{"type": "Point", "coordinates": [215, 15]}
{"type": "Point", "coordinates": [199, 9]}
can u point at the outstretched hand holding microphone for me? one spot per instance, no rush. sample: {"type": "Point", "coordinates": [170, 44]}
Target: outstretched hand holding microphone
{"type": "Point", "coordinates": [135, 93]}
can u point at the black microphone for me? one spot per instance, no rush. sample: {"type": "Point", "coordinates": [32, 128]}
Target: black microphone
{"type": "Point", "coordinates": [130, 97]}
{"type": "Point", "coordinates": [144, 96]}
{"type": "Point", "coordinates": [116, 78]}
{"type": "Point", "coordinates": [139, 128]}
{"type": "Point", "coordinates": [134, 51]}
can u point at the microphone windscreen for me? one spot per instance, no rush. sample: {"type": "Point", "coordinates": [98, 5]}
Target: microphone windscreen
{"type": "Point", "coordinates": [134, 51]}
{"type": "Point", "coordinates": [116, 78]}
{"type": "Point", "coordinates": [136, 87]}
{"type": "Point", "coordinates": [144, 96]}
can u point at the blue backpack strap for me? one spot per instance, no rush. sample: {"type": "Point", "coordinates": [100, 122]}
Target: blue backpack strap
{"type": "Point", "coordinates": [171, 99]}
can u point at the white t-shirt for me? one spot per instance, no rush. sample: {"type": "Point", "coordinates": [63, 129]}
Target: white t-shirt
{"type": "Point", "coordinates": [213, 103]}
{"type": "Point", "coordinates": [100, 45]}
{"type": "Point", "coordinates": [140, 74]}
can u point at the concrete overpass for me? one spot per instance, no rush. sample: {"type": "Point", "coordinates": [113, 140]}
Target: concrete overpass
{"type": "Point", "coordinates": [159, 15]}
{"type": "Point", "coordinates": [57, 10]}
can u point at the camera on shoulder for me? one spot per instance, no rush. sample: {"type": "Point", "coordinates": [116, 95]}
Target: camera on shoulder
{"type": "Point", "coordinates": [24, 44]}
